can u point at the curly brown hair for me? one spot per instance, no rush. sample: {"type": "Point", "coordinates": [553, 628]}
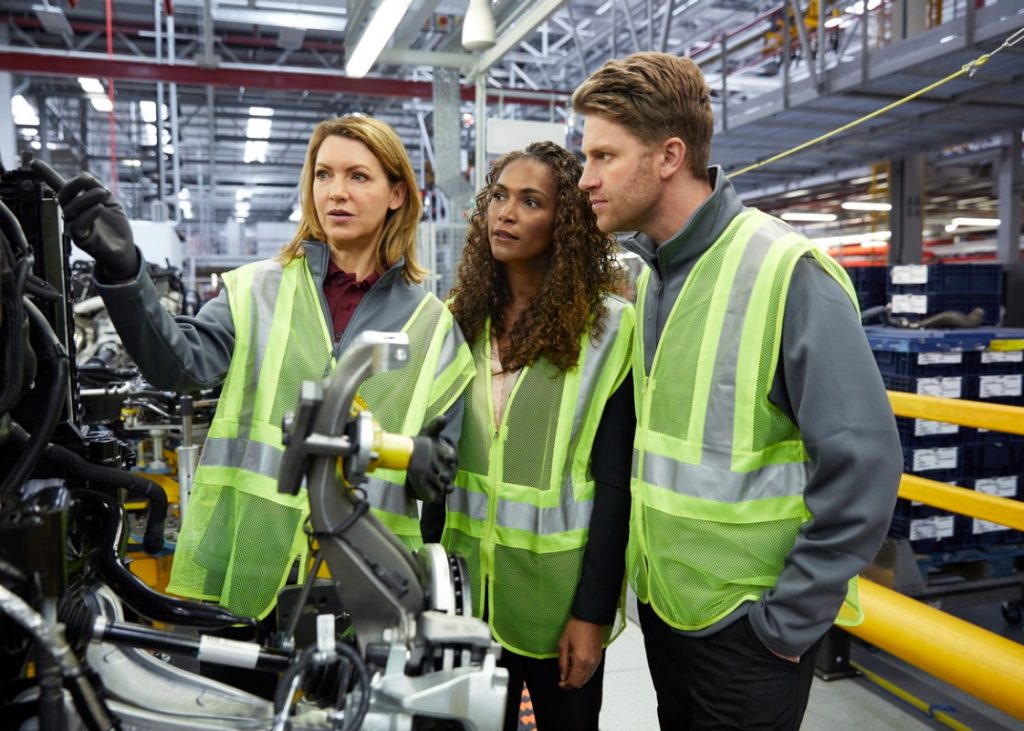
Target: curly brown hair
{"type": "Point", "coordinates": [582, 269]}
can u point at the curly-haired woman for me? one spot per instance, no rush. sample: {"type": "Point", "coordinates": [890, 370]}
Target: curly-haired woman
{"type": "Point", "coordinates": [544, 457]}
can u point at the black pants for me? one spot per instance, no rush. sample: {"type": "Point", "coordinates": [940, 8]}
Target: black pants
{"type": "Point", "coordinates": [728, 680]}
{"type": "Point", "coordinates": [555, 709]}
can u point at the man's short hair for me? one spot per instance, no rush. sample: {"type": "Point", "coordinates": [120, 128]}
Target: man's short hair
{"type": "Point", "coordinates": [655, 96]}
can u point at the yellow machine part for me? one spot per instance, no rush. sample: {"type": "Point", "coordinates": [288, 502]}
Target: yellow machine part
{"type": "Point", "coordinates": [155, 571]}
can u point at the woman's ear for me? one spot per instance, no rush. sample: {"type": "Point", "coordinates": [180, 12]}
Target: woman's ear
{"type": "Point", "coordinates": [398, 194]}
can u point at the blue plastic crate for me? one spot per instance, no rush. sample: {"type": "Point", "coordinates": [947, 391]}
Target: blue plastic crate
{"type": "Point", "coordinates": [902, 340]}
{"type": "Point", "coordinates": [949, 279]}
{"type": "Point", "coordinates": [941, 386]}
{"type": "Point", "coordinates": [870, 285]}
{"type": "Point", "coordinates": [993, 458]}
{"type": "Point", "coordinates": [915, 365]}
{"type": "Point", "coordinates": [928, 529]}
{"type": "Point", "coordinates": [910, 438]}
{"type": "Point", "coordinates": [932, 304]}
{"type": "Point", "coordinates": [975, 533]}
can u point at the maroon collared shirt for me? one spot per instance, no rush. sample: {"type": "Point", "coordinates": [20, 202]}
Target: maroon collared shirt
{"type": "Point", "coordinates": [343, 295]}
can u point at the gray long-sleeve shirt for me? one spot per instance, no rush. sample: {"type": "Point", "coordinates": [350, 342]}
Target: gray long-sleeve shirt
{"type": "Point", "coordinates": [828, 384]}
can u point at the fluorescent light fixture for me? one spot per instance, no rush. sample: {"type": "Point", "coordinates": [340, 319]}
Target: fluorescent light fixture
{"type": "Point", "coordinates": [378, 31]}
{"type": "Point", "coordinates": [184, 194]}
{"type": "Point", "coordinates": [959, 222]}
{"type": "Point", "coordinates": [808, 217]}
{"type": "Point", "coordinates": [604, 8]}
{"type": "Point", "coordinates": [258, 128]}
{"type": "Point", "coordinates": [243, 194]}
{"type": "Point", "coordinates": [101, 103]}
{"type": "Point", "coordinates": [862, 239]}
{"type": "Point", "coordinates": [796, 193]}
{"type": "Point", "coordinates": [53, 19]}
{"type": "Point", "coordinates": [148, 110]}
{"type": "Point", "coordinates": [866, 206]}
{"type": "Point", "coordinates": [90, 85]}
{"type": "Point", "coordinates": [295, 215]}
{"type": "Point", "coordinates": [23, 112]}
{"type": "Point", "coordinates": [478, 26]}
{"type": "Point", "coordinates": [323, 19]}
{"type": "Point", "coordinates": [29, 132]}
{"type": "Point", "coordinates": [261, 112]}
{"type": "Point", "coordinates": [36, 144]}
{"type": "Point", "coordinates": [132, 162]}
{"type": "Point", "coordinates": [255, 151]}
{"type": "Point", "coordinates": [150, 135]}
{"type": "Point", "coordinates": [186, 208]}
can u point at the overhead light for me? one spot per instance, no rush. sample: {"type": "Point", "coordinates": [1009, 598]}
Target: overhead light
{"type": "Point", "coordinates": [53, 19]}
{"type": "Point", "coordinates": [258, 128]}
{"type": "Point", "coordinates": [184, 195]}
{"type": "Point", "coordinates": [23, 112]}
{"type": "Point", "coordinates": [295, 215]}
{"type": "Point", "coordinates": [866, 206]}
{"type": "Point", "coordinates": [796, 193]}
{"type": "Point", "coordinates": [90, 85]}
{"type": "Point", "coordinates": [243, 194]}
{"type": "Point", "coordinates": [261, 112]}
{"type": "Point", "coordinates": [378, 31]}
{"type": "Point", "coordinates": [255, 151]}
{"type": "Point", "coordinates": [478, 26]}
{"type": "Point", "coordinates": [808, 217]}
{"type": "Point", "coordinates": [101, 103]}
{"type": "Point", "coordinates": [604, 8]}
{"type": "Point", "coordinates": [959, 222]}
{"type": "Point", "coordinates": [148, 110]}
{"type": "Point", "coordinates": [866, 238]}
{"type": "Point", "coordinates": [132, 162]}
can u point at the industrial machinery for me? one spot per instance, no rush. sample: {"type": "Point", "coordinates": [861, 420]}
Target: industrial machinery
{"type": "Point", "coordinates": [86, 644]}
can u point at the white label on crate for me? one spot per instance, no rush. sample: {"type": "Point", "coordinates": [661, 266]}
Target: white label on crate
{"type": "Point", "coordinates": [941, 458]}
{"type": "Point", "coordinates": [1000, 386]}
{"type": "Point", "coordinates": [1002, 486]}
{"type": "Point", "coordinates": [912, 303]}
{"type": "Point", "coordinates": [985, 526]}
{"type": "Point", "coordinates": [935, 358]}
{"type": "Point", "coordinates": [944, 386]}
{"type": "Point", "coordinates": [938, 526]}
{"type": "Point", "coordinates": [999, 356]}
{"type": "Point", "coordinates": [910, 274]}
{"type": "Point", "coordinates": [927, 428]}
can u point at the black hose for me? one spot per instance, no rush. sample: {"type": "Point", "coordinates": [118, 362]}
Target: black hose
{"type": "Point", "coordinates": [36, 444]}
{"type": "Point", "coordinates": [282, 693]}
{"type": "Point", "coordinates": [13, 345]}
{"type": "Point", "coordinates": [79, 467]}
{"type": "Point", "coordinates": [133, 591]}
{"type": "Point", "coordinates": [11, 228]}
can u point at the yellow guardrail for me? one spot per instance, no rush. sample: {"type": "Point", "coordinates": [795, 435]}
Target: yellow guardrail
{"type": "Point", "coordinates": [995, 417]}
{"type": "Point", "coordinates": [978, 661]}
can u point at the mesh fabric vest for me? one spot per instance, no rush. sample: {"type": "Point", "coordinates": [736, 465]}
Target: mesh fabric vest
{"type": "Point", "coordinates": [520, 512]}
{"type": "Point", "coordinates": [240, 536]}
{"type": "Point", "coordinates": [718, 470]}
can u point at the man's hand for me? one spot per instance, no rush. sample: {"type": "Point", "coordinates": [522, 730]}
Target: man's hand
{"type": "Point", "coordinates": [96, 221]}
{"type": "Point", "coordinates": [432, 469]}
{"type": "Point", "coordinates": [579, 653]}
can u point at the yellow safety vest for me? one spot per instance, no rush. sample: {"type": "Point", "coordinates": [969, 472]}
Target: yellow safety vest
{"type": "Point", "coordinates": [240, 536]}
{"type": "Point", "coordinates": [718, 470]}
{"type": "Point", "coordinates": [520, 512]}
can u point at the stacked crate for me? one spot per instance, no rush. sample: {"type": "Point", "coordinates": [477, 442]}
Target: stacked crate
{"type": "Point", "coordinates": [916, 291]}
{"type": "Point", "coordinates": [978, 364]}
{"type": "Point", "coordinates": [870, 285]}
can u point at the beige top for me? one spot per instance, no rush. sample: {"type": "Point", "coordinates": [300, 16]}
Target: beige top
{"type": "Point", "coordinates": [502, 383]}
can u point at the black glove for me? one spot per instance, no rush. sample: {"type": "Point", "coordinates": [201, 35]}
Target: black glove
{"type": "Point", "coordinates": [96, 221]}
{"type": "Point", "coordinates": [434, 460]}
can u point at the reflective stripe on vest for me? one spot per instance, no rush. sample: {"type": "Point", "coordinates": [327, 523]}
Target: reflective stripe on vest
{"type": "Point", "coordinates": [718, 471]}
{"type": "Point", "coordinates": [520, 512]}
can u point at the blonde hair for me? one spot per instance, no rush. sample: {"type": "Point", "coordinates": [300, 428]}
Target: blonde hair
{"type": "Point", "coordinates": [655, 96]}
{"type": "Point", "coordinates": [399, 239]}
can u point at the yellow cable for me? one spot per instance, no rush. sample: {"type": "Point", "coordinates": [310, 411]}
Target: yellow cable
{"type": "Point", "coordinates": [968, 68]}
{"type": "Point", "coordinates": [904, 695]}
